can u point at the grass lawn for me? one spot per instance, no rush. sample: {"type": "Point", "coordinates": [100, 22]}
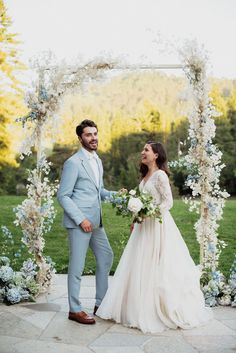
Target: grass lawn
{"type": "Point", "coordinates": [117, 229]}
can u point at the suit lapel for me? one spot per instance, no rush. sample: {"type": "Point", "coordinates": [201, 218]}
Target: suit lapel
{"type": "Point", "coordinates": [87, 167]}
{"type": "Point", "coordinates": [100, 171]}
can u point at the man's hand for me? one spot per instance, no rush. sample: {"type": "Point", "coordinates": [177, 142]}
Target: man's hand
{"type": "Point", "coordinates": [86, 226]}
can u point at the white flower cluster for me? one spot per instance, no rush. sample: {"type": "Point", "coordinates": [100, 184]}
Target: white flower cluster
{"type": "Point", "coordinates": [53, 80]}
{"type": "Point", "coordinates": [36, 215]}
{"type": "Point", "coordinates": [204, 159]}
{"type": "Point", "coordinates": [43, 102]}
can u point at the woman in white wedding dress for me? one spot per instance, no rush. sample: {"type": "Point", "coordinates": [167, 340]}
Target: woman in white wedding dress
{"type": "Point", "coordinates": [156, 284]}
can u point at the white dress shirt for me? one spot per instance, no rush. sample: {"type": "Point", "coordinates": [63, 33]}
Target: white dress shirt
{"type": "Point", "coordinates": [93, 161]}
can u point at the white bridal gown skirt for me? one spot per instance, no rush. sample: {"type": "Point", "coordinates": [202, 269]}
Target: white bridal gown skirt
{"type": "Point", "coordinates": [156, 284]}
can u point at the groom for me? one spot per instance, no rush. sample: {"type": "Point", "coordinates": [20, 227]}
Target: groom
{"type": "Point", "coordinates": [80, 193]}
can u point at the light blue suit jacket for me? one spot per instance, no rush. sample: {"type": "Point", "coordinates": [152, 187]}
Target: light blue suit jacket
{"type": "Point", "coordinates": [78, 193]}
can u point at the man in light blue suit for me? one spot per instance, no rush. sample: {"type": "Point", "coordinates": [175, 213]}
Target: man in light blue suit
{"type": "Point", "coordinates": [80, 194]}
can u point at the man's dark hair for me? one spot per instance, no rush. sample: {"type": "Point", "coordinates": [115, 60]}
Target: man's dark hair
{"type": "Point", "coordinates": [85, 123]}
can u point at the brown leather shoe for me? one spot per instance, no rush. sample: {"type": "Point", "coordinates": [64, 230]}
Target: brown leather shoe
{"type": "Point", "coordinates": [95, 309]}
{"type": "Point", "coordinates": [82, 318]}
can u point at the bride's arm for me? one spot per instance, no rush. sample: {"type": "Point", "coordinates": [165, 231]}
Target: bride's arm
{"type": "Point", "coordinates": [163, 186]}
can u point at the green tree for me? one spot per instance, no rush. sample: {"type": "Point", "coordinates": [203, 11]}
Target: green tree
{"type": "Point", "coordinates": [11, 96]}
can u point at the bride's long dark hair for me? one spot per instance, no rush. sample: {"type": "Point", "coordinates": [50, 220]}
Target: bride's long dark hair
{"type": "Point", "coordinates": [161, 160]}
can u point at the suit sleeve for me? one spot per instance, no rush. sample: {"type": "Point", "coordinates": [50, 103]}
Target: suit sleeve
{"type": "Point", "coordinates": [68, 179]}
{"type": "Point", "coordinates": [104, 193]}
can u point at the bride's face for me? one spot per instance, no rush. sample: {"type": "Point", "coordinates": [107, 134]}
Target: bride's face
{"type": "Point", "coordinates": [148, 157]}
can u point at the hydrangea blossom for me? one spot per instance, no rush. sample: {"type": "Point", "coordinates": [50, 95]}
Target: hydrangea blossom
{"type": "Point", "coordinates": [13, 295]}
{"type": "Point", "coordinates": [29, 268]}
{"type": "Point", "coordinates": [6, 273]}
{"type": "Point", "coordinates": [18, 286]}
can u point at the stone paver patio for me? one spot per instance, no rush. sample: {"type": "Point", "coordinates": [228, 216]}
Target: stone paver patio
{"type": "Point", "coordinates": [43, 327]}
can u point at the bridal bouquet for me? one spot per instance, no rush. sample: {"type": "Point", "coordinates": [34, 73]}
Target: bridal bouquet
{"type": "Point", "coordinates": [135, 204]}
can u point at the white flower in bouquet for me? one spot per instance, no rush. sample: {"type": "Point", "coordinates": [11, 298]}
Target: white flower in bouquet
{"type": "Point", "coordinates": [152, 209]}
{"type": "Point", "coordinates": [132, 192]}
{"type": "Point", "coordinates": [135, 204]}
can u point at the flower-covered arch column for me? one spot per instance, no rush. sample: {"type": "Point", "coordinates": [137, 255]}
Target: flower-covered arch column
{"type": "Point", "coordinates": [203, 159]}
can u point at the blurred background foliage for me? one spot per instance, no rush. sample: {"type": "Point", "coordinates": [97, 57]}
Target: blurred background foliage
{"type": "Point", "coordinates": [129, 108]}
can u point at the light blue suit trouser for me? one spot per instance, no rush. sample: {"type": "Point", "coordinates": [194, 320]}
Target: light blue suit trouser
{"type": "Point", "coordinates": [79, 241]}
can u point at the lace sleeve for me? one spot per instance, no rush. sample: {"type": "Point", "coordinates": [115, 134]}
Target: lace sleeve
{"type": "Point", "coordinates": [163, 187]}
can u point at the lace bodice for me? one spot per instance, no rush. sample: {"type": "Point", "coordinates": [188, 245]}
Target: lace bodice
{"type": "Point", "coordinates": [159, 187]}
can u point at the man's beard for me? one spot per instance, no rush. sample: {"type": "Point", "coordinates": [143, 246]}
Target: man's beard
{"type": "Point", "coordinates": [88, 146]}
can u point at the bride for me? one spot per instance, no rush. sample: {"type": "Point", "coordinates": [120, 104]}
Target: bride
{"type": "Point", "coordinates": [156, 284]}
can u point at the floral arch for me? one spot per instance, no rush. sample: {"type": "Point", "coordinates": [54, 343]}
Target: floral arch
{"type": "Point", "coordinates": [203, 160]}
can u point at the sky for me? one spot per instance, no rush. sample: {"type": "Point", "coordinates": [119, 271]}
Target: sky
{"type": "Point", "coordinates": [135, 31]}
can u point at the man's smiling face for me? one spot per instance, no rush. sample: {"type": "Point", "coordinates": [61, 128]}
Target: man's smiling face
{"type": "Point", "coordinates": [89, 138]}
